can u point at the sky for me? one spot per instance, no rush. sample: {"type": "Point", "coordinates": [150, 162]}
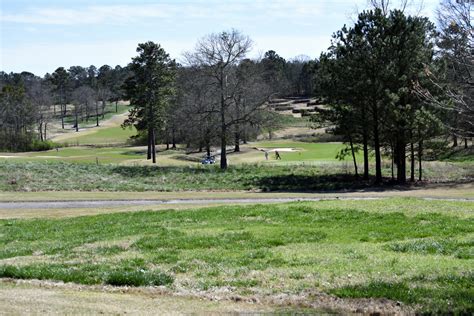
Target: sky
{"type": "Point", "coordinates": [41, 35]}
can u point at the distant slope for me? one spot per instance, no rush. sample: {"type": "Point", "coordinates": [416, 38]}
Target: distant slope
{"type": "Point", "coordinates": [109, 132]}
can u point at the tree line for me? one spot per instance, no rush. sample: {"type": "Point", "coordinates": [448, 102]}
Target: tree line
{"type": "Point", "coordinates": [218, 96]}
{"type": "Point", "coordinates": [393, 82]}
{"type": "Point", "coordinates": [28, 103]}
{"type": "Point", "coordinates": [208, 100]}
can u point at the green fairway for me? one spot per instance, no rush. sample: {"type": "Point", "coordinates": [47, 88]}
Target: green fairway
{"type": "Point", "coordinates": [306, 151]}
{"type": "Point", "coordinates": [87, 155]}
{"type": "Point", "coordinates": [104, 136]}
{"type": "Point", "coordinates": [109, 113]}
{"type": "Point", "coordinates": [414, 251]}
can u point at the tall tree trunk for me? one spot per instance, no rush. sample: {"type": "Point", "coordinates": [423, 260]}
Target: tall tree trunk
{"type": "Point", "coordinates": [173, 138]}
{"type": "Point", "coordinates": [353, 157]}
{"type": "Point", "coordinates": [62, 117]}
{"type": "Point", "coordinates": [378, 160]}
{"type": "Point", "coordinates": [45, 125]}
{"type": "Point", "coordinates": [465, 142]}
{"type": "Point", "coordinates": [412, 162]}
{"type": "Point", "coordinates": [76, 120]}
{"type": "Point", "coordinates": [401, 157]}
{"type": "Point", "coordinates": [236, 140]}
{"type": "Point", "coordinates": [455, 141]}
{"type": "Point", "coordinates": [148, 153]}
{"type": "Point", "coordinates": [420, 155]}
{"type": "Point", "coordinates": [223, 163]}
{"type": "Point", "coordinates": [366, 154]}
{"type": "Point", "coordinates": [103, 109]}
{"type": "Point", "coordinates": [87, 112]}
{"type": "Point", "coordinates": [153, 146]}
{"type": "Point", "coordinates": [40, 130]}
{"type": "Point", "coordinates": [96, 113]}
{"type": "Point", "coordinates": [392, 156]}
{"type": "Point", "coordinates": [116, 106]}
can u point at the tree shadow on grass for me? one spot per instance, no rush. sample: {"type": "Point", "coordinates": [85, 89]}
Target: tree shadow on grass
{"type": "Point", "coordinates": [338, 182]}
{"type": "Point", "coordinates": [330, 182]}
{"type": "Point", "coordinates": [269, 180]}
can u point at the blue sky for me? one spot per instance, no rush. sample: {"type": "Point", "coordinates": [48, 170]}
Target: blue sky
{"type": "Point", "coordinates": [39, 36]}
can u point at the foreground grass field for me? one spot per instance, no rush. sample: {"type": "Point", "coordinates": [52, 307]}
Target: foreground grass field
{"type": "Point", "coordinates": [418, 252]}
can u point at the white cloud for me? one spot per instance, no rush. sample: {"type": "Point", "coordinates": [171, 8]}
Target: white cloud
{"type": "Point", "coordinates": [126, 13]}
{"type": "Point", "coordinates": [89, 15]}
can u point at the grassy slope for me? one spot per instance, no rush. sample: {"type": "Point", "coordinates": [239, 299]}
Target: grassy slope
{"type": "Point", "coordinates": [109, 131]}
{"type": "Point", "coordinates": [62, 176]}
{"type": "Point", "coordinates": [409, 250]}
{"type": "Point", "coordinates": [459, 154]}
{"type": "Point", "coordinates": [109, 113]}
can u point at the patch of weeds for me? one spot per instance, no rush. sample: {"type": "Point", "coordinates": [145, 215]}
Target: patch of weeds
{"type": "Point", "coordinates": [296, 275]}
{"type": "Point", "coordinates": [140, 277]}
{"type": "Point", "coordinates": [238, 283]}
{"type": "Point", "coordinates": [213, 273]}
{"type": "Point", "coordinates": [353, 254]}
{"type": "Point", "coordinates": [451, 294]}
{"type": "Point", "coordinates": [244, 283]}
{"type": "Point", "coordinates": [259, 254]}
{"type": "Point", "coordinates": [460, 249]}
{"type": "Point", "coordinates": [16, 252]}
{"type": "Point", "coordinates": [180, 267]}
{"type": "Point", "coordinates": [86, 274]}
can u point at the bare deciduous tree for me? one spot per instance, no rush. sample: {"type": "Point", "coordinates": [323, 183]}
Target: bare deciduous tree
{"type": "Point", "coordinates": [217, 55]}
{"type": "Point", "coordinates": [40, 95]}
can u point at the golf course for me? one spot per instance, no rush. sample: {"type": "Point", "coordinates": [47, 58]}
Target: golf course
{"type": "Point", "coordinates": [235, 157]}
{"type": "Point", "coordinates": [237, 239]}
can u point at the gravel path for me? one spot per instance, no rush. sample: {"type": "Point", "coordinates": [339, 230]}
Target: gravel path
{"type": "Point", "coordinates": [114, 203]}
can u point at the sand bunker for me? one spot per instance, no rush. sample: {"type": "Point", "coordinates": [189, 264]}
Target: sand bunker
{"type": "Point", "coordinates": [279, 149]}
